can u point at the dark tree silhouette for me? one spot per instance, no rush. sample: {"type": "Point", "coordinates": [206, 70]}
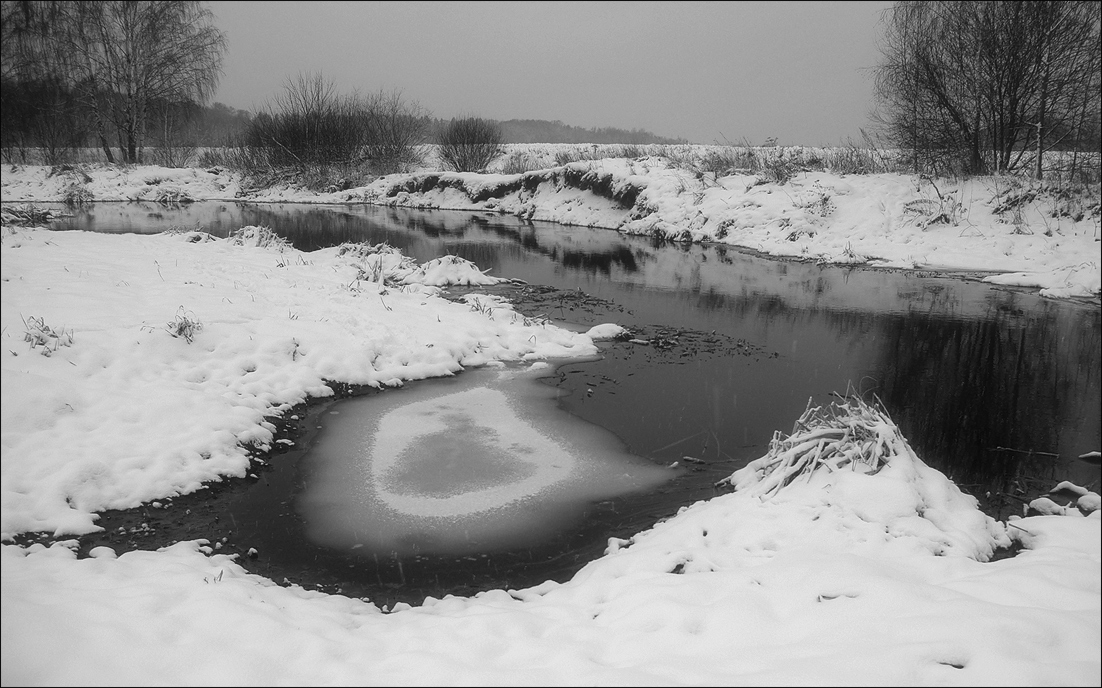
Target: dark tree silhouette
{"type": "Point", "coordinates": [989, 85]}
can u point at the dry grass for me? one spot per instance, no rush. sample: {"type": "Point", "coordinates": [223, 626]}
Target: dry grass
{"type": "Point", "coordinates": [27, 215]}
{"type": "Point", "coordinates": [261, 237]}
{"type": "Point", "coordinates": [43, 338]}
{"type": "Point", "coordinates": [849, 434]}
{"type": "Point", "coordinates": [185, 325]}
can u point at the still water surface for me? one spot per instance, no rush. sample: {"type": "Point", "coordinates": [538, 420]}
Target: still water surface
{"type": "Point", "coordinates": [997, 388]}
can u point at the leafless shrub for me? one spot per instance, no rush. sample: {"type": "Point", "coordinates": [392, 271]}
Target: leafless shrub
{"type": "Point", "coordinates": [395, 128]}
{"type": "Point", "coordinates": [332, 141]}
{"type": "Point", "coordinates": [309, 123]}
{"type": "Point", "coordinates": [470, 144]}
{"type": "Point", "coordinates": [173, 156]}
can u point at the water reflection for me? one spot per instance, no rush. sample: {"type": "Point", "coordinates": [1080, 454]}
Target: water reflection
{"type": "Point", "coordinates": [1012, 395]}
{"type": "Point", "coordinates": [594, 262]}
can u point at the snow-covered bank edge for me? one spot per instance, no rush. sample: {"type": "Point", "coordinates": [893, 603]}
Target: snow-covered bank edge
{"type": "Point", "coordinates": [1021, 233]}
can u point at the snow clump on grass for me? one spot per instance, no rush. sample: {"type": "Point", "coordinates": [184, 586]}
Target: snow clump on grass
{"type": "Point", "coordinates": [850, 435]}
{"type": "Point", "coordinates": [380, 263]}
{"type": "Point", "coordinates": [827, 464]}
{"type": "Point", "coordinates": [261, 237]}
{"type": "Point", "coordinates": [448, 270]}
{"type": "Point", "coordinates": [184, 325]}
{"type": "Point", "coordinates": [27, 215]}
{"type": "Point", "coordinates": [39, 334]}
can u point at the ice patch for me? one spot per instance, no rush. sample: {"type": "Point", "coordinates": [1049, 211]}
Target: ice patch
{"type": "Point", "coordinates": [481, 461]}
{"type": "Point", "coordinates": [454, 443]}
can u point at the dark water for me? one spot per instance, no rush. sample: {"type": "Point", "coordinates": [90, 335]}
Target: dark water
{"type": "Point", "coordinates": [997, 388]}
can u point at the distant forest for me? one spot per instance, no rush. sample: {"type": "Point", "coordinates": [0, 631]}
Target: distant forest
{"type": "Point", "coordinates": [543, 131]}
{"type": "Point", "coordinates": [52, 119]}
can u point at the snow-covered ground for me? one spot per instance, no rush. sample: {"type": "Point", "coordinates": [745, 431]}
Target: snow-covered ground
{"type": "Point", "coordinates": [138, 367]}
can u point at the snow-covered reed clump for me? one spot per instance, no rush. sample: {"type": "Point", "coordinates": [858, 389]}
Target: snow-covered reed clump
{"type": "Point", "coordinates": [833, 456]}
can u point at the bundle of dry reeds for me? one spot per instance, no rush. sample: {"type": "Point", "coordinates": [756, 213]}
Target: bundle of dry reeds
{"type": "Point", "coordinates": [850, 434]}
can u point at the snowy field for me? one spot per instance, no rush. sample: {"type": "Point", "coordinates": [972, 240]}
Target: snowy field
{"type": "Point", "coordinates": [137, 367]}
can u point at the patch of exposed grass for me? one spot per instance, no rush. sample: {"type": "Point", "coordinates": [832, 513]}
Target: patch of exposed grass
{"type": "Point", "coordinates": [185, 325]}
{"type": "Point", "coordinates": [43, 338]}
{"type": "Point", "coordinates": [261, 237]}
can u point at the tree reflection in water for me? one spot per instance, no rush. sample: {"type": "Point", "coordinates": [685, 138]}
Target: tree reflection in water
{"type": "Point", "coordinates": [996, 398]}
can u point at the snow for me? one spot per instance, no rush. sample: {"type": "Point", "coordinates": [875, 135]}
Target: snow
{"type": "Point", "coordinates": [135, 368]}
{"type": "Point", "coordinates": [607, 331]}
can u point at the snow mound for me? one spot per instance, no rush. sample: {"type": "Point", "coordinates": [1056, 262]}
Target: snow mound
{"type": "Point", "coordinates": [446, 270]}
{"type": "Point", "coordinates": [833, 457]}
{"type": "Point", "coordinates": [607, 331]}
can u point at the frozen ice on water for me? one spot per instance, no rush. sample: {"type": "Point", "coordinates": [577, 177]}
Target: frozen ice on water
{"type": "Point", "coordinates": [479, 461]}
{"type": "Point", "coordinates": [462, 454]}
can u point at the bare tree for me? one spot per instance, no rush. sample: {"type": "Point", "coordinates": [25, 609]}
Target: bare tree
{"type": "Point", "coordinates": [984, 83]}
{"type": "Point", "coordinates": [395, 130]}
{"type": "Point", "coordinates": [309, 123]}
{"type": "Point", "coordinates": [470, 144]}
{"type": "Point", "coordinates": [121, 56]}
{"type": "Point", "coordinates": [174, 129]}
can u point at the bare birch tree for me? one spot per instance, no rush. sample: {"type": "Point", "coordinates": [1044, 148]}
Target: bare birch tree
{"type": "Point", "coordinates": [120, 56]}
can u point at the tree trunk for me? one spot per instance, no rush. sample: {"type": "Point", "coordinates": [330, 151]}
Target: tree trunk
{"type": "Point", "coordinates": [1039, 171]}
{"type": "Point", "coordinates": [97, 117]}
{"type": "Point", "coordinates": [977, 164]}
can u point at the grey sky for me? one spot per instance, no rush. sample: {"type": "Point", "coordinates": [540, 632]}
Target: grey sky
{"type": "Point", "coordinates": [703, 71]}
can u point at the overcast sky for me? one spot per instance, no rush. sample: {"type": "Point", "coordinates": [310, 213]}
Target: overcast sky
{"type": "Point", "coordinates": [702, 71]}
